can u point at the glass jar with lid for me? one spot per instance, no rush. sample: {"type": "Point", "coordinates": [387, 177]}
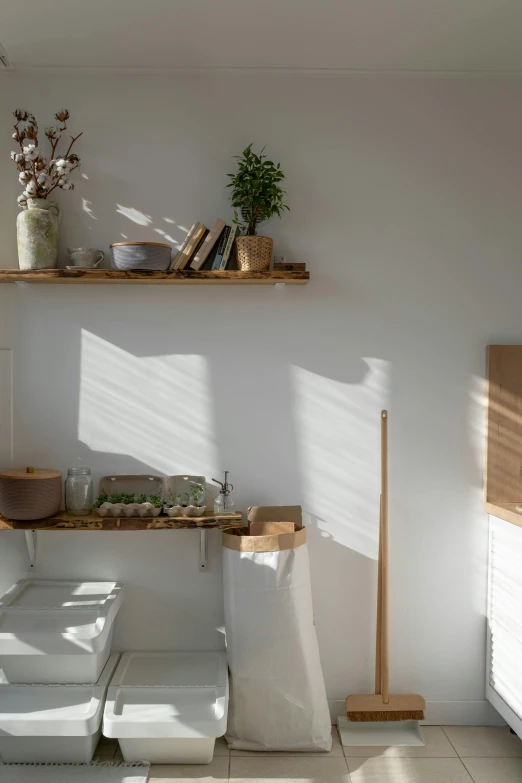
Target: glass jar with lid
{"type": "Point", "coordinates": [78, 491]}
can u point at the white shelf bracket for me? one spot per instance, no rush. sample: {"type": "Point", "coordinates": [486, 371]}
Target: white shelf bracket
{"type": "Point", "coordinates": [31, 541]}
{"type": "Point", "coordinates": [203, 550]}
{"type": "Point", "coordinates": [279, 285]}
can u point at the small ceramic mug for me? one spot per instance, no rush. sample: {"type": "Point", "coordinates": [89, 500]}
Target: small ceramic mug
{"type": "Point", "coordinates": [86, 257]}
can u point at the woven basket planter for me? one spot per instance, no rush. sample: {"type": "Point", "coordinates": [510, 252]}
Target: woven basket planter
{"type": "Point", "coordinates": [254, 253]}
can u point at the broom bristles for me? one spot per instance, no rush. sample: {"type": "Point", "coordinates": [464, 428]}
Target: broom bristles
{"type": "Point", "coordinates": [384, 716]}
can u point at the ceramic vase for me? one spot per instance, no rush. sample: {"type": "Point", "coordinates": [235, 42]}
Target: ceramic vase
{"type": "Point", "coordinates": [37, 233]}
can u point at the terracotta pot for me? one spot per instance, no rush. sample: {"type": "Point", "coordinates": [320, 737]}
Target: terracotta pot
{"type": "Point", "coordinates": [30, 493]}
{"type": "Point", "coordinates": [254, 253]}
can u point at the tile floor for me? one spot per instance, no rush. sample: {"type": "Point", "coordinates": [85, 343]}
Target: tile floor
{"type": "Point", "coordinates": [454, 754]}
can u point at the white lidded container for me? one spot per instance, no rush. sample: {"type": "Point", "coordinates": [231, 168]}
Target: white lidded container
{"type": "Point", "coordinates": [168, 707]}
{"type": "Point", "coordinates": [52, 723]}
{"type": "Point", "coordinates": [57, 632]}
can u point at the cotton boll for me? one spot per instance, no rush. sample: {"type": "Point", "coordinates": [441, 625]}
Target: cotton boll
{"type": "Point", "coordinates": [24, 177]}
{"type": "Point", "coordinates": [22, 200]}
{"type": "Point", "coordinates": [31, 187]}
{"type": "Point", "coordinates": [42, 178]}
{"type": "Point", "coordinates": [30, 152]}
{"type": "Point", "coordinates": [25, 125]}
{"type": "Point", "coordinates": [68, 186]}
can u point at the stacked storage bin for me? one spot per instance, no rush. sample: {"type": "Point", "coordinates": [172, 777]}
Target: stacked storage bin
{"type": "Point", "coordinates": [168, 707]}
{"type": "Point", "coordinates": [55, 668]}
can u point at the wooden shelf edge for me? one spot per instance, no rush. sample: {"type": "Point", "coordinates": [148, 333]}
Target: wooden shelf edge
{"type": "Point", "coordinates": [145, 277]}
{"type": "Point", "coordinates": [505, 511]}
{"type": "Point", "coordinates": [65, 521]}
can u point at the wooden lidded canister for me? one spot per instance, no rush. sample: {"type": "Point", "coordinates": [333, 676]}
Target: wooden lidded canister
{"type": "Point", "coordinates": [32, 493]}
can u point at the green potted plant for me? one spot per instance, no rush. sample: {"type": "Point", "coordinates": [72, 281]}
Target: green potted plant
{"type": "Point", "coordinates": [256, 196]}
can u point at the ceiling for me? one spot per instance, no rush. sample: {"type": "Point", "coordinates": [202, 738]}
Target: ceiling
{"type": "Point", "coordinates": [345, 35]}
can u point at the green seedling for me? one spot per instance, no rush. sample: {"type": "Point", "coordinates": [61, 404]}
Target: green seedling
{"type": "Point", "coordinates": [155, 500]}
{"type": "Point", "coordinates": [101, 499]}
{"type": "Point", "coordinates": [196, 495]}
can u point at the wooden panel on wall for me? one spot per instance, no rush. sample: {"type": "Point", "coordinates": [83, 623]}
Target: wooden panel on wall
{"type": "Point", "coordinates": [503, 479]}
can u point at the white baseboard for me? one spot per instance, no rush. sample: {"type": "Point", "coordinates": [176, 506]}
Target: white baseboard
{"type": "Point", "coordinates": [445, 713]}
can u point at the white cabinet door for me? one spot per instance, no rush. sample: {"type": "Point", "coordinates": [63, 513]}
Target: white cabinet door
{"type": "Point", "coordinates": [504, 665]}
{"type": "Point", "coordinates": [6, 412]}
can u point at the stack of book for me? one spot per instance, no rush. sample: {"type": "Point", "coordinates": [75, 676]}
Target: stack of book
{"type": "Point", "coordinates": [206, 249]}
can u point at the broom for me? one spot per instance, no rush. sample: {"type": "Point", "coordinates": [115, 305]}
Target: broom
{"type": "Point", "coordinates": [381, 705]}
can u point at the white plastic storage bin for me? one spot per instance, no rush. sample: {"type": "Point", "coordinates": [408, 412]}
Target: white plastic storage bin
{"type": "Point", "coordinates": [52, 723]}
{"type": "Point", "coordinates": [168, 707]}
{"type": "Point", "coordinates": [57, 632]}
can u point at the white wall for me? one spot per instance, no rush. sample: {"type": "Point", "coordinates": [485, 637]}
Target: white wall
{"type": "Point", "coordinates": [405, 204]}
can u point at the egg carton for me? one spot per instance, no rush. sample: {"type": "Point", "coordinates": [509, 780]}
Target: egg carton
{"type": "Point", "coordinates": [185, 511]}
{"type": "Point", "coordinates": [128, 510]}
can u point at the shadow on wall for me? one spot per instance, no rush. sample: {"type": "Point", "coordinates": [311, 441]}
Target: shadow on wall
{"type": "Point", "coordinates": [269, 384]}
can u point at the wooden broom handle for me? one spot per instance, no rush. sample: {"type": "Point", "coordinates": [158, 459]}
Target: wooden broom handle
{"type": "Point", "coordinates": [378, 642]}
{"type": "Point", "coordinates": [383, 538]}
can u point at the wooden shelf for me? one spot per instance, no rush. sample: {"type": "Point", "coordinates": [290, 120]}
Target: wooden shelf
{"type": "Point", "coordinates": [143, 277]}
{"type": "Point", "coordinates": [505, 511]}
{"type": "Point", "coordinates": [64, 521]}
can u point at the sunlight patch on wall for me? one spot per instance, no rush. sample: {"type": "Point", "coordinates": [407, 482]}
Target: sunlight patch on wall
{"type": "Point", "coordinates": [87, 207]}
{"type": "Point", "coordinates": [338, 430]}
{"type": "Point", "coordinates": [156, 409]}
{"type": "Point", "coordinates": [477, 440]}
{"type": "Point", "coordinates": [134, 214]}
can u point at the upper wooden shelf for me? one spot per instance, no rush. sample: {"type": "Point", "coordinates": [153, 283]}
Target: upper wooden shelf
{"type": "Point", "coordinates": [64, 521]}
{"type": "Point", "coordinates": [144, 277]}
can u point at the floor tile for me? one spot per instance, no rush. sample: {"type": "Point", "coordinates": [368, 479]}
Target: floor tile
{"type": "Point", "coordinates": [485, 741]}
{"type": "Point", "coordinates": [221, 747]}
{"type": "Point", "coordinates": [337, 751]}
{"type": "Point", "coordinates": [215, 772]}
{"type": "Point", "coordinates": [494, 770]}
{"type": "Point", "coordinates": [386, 770]}
{"type": "Point", "coordinates": [437, 746]}
{"type": "Point", "coordinates": [288, 769]}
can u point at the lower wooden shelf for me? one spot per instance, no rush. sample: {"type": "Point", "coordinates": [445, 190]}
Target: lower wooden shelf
{"type": "Point", "coordinates": [64, 521]}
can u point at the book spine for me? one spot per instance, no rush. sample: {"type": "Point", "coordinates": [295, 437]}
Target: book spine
{"type": "Point", "coordinates": [179, 254]}
{"type": "Point", "coordinates": [192, 246]}
{"type": "Point", "coordinates": [228, 247]}
{"type": "Point", "coordinates": [221, 248]}
{"type": "Point", "coordinates": [212, 237]}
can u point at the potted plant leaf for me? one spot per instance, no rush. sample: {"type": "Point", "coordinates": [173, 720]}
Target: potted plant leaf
{"type": "Point", "coordinates": [256, 196]}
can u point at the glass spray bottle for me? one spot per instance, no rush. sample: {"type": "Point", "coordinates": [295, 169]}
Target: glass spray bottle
{"type": "Point", "coordinates": [223, 504]}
